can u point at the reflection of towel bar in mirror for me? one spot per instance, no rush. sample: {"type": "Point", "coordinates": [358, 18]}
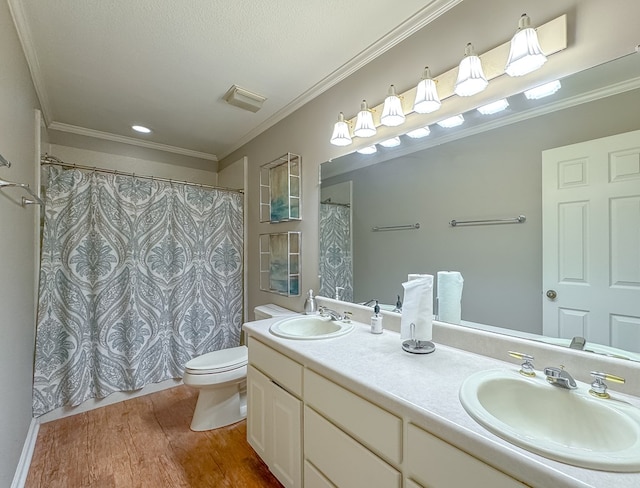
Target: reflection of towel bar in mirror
{"type": "Point", "coordinates": [35, 199]}
{"type": "Point", "coordinates": [515, 220]}
{"type": "Point", "coordinates": [396, 227]}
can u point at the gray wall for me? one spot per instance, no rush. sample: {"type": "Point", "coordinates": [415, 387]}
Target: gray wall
{"type": "Point", "coordinates": [496, 174]}
{"type": "Point", "coordinates": [17, 248]}
{"type": "Point", "coordinates": [597, 33]}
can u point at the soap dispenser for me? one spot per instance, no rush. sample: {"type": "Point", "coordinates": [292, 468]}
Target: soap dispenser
{"type": "Point", "coordinates": [310, 307]}
{"type": "Point", "coordinates": [376, 320]}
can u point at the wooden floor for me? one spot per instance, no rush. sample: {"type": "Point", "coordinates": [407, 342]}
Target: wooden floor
{"type": "Point", "coordinates": [144, 442]}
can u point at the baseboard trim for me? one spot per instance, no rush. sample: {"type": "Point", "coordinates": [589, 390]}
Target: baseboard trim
{"type": "Point", "coordinates": [22, 470]}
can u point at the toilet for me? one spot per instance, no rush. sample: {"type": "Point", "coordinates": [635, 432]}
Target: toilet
{"type": "Point", "coordinates": [221, 377]}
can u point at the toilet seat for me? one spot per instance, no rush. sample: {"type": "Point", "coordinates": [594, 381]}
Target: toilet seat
{"type": "Point", "coordinates": [218, 361]}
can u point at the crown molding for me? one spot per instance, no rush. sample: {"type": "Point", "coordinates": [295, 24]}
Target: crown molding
{"type": "Point", "coordinates": [428, 14]}
{"type": "Point", "coordinates": [83, 131]}
{"type": "Point", "coordinates": [16, 8]}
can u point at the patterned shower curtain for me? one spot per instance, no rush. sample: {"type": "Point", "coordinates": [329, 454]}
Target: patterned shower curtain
{"type": "Point", "coordinates": [336, 267]}
{"type": "Point", "coordinates": [137, 277]}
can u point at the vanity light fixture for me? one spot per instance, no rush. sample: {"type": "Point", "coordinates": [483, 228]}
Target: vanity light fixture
{"type": "Point", "coordinates": [364, 123]}
{"type": "Point", "coordinates": [427, 99]}
{"type": "Point", "coordinates": [341, 136]}
{"type": "Point", "coordinates": [494, 107]}
{"type": "Point", "coordinates": [141, 128]}
{"type": "Point", "coordinates": [454, 121]}
{"type": "Point", "coordinates": [393, 142]}
{"type": "Point", "coordinates": [543, 90]}
{"type": "Point", "coordinates": [471, 79]}
{"type": "Point", "coordinates": [419, 132]}
{"type": "Point", "coordinates": [525, 54]}
{"type": "Point", "coordinates": [392, 113]}
{"type": "Point", "coordinates": [368, 150]}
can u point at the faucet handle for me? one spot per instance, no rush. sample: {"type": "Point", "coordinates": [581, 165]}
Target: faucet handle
{"type": "Point", "coordinates": [526, 368]}
{"type": "Point", "coordinates": [599, 387]}
{"type": "Point", "coordinates": [346, 317]}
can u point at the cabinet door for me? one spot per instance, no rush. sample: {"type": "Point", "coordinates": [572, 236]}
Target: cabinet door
{"type": "Point", "coordinates": [286, 437]}
{"type": "Point", "coordinates": [258, 388]}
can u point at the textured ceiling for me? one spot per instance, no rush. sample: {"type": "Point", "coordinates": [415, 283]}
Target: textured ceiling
{"type": "Point", "coordinates": [100, 66]}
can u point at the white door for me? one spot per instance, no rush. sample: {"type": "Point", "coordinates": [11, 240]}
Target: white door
{"type": "Point", "coordinates": [591, 241]}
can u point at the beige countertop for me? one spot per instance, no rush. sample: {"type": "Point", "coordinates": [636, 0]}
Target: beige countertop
{"type": "Point", "coordinates": [424, 389]}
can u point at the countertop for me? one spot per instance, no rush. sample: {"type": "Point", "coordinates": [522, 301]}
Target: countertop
{"type": "Point", "coordinates": [424, 389]}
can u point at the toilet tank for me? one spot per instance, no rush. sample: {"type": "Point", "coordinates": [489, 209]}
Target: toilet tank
{"type": "Point", "coordinates": [270, 310]}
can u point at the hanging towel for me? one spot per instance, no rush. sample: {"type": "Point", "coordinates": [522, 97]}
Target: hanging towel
{"type": "Point", "coordinates": [417, 308]}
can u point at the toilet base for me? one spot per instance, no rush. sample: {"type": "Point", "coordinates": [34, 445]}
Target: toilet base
{"type": "Point", "coordinates": [220, 406]}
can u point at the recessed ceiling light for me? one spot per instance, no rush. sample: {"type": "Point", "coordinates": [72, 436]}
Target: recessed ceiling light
{"type": "Point", "coordinates": [454, 121]}
{"type": "Point", "coordinates": [418, 133]}
{"type": "Point", "coordinates": [141, 128]}
{"type": "Point", "coordinates": [494, 107]}
{"type": "Point", "coordinates": [543, 90]}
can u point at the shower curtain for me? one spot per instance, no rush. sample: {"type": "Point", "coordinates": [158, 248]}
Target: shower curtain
{"type": "Point", "coordinates": [336, 267]}
{"type": "Point", "coordinates": [137, 277]}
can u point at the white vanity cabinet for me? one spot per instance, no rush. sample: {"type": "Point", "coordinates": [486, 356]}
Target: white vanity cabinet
{"type": "Point", "coordinates": [274, 416]}
{"type": "Point", "coordinates": [351, 441]}
{"type": "Point", "coordinates": [435, 463]}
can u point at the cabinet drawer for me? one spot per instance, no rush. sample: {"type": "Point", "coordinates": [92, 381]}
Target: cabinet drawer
{"type": "Point", "coordinates": [341, 459]}
{"type": "Point", "coordinates": [284, 371]}
{"type": "Point", "coordinates": [376, 428]}
{"type": "Point", "coordinates": [437, 464]}
{"type": "Point", "coordinates": [314, 478]}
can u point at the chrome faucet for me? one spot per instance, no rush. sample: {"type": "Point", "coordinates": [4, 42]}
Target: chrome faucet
{"type": "Point", "coordinates": [327, 312]}
{"type": "Point", "coordinates": [559, 377]}
{"type": "Point", "coordinates": [338, 290]}
{"type": "Point", "coordinates": [368, 303]}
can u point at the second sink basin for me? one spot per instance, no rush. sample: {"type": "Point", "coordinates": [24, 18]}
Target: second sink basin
{"type": "Point", "coordinates": [569, 426]}
{"type": "Point", "coordinates": [309, 327]}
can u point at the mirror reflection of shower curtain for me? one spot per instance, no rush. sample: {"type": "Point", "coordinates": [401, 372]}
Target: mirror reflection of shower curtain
{"type": "Point", "coordinates": [137, 277]}
{"type": "Point", "coordinates": [336, 266]}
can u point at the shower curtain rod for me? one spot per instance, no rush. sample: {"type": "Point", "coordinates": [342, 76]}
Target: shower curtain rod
{"type": "Point", "coordinates": [48, 159]}
{"type": "Point", "coordinates": [329, 202]}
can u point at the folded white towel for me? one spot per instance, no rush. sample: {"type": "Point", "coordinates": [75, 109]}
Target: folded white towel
{"type": "Point", "coordinates": [449, 295]}
{"type": "Point", "coordinates": [417, 308]}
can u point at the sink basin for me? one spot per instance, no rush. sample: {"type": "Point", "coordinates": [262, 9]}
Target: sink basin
{"type": "Point", "coordinates": [570, 426]}
{"type": "Point", "coordinates": [309, 327]}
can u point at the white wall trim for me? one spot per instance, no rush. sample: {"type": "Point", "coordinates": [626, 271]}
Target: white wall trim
{"type": "Point", "coordinates": [74, 129]}
{"type": "Point", "coordinates": [24, 462]}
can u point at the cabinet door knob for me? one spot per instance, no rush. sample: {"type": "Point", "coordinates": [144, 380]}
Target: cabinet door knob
{"type": "Point", "coordinates": [551, 294]}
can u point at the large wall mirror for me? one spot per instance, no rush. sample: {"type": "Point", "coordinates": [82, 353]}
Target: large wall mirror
{"type": "Point", "coordinates": [488, 168]}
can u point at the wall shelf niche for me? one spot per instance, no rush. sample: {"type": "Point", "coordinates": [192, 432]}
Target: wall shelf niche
{"type": "Point", "coordinates": [280, 263]}
{"type": "Point", "coordinates": [280, 187]}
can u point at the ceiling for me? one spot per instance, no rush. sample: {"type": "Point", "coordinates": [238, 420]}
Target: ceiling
{"type": "Point", "coordinates": [100, 66]}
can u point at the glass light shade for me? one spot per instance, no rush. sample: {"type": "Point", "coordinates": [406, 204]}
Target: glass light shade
{"type": "Point", "coordinates": [525, 54]}
{"type": "Point", "coordinates": [427, 99]}
{"type": "Point", "coordinates": [471, 79]}
{"type": "Point", "coordinates": [368, 150]}
{"type": "Point", "coordinates": [392, 113]}
{"type": "Point", "coordinates": [393, 142]}
{"type": "Point", "coordinates": [543, 90]}
{"type": "Point", "coordinates": [454, 121]}
{"type": "Point", "coordinates": [364, 122]}
{"type": "Point", "coordinates": [494, 107]}
{"type": "Point", "coordinates": [340, 136]}
{"type": "Point", "coordinates": [418, 133]}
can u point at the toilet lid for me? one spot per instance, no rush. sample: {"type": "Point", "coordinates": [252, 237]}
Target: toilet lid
{"type": "Point", "coordinates": [218, 361]}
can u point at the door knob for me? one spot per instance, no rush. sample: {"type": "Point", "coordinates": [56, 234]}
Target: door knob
{"type": "Point", "coordinates": [551, 294]}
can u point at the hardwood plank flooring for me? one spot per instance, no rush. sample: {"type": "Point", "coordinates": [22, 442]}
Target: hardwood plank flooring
{"type": "Point", "coordinates": [145, 442]}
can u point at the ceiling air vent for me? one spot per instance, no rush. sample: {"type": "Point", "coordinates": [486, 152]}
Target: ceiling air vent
{"type": "Point", "coordinates": [244, 99]}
